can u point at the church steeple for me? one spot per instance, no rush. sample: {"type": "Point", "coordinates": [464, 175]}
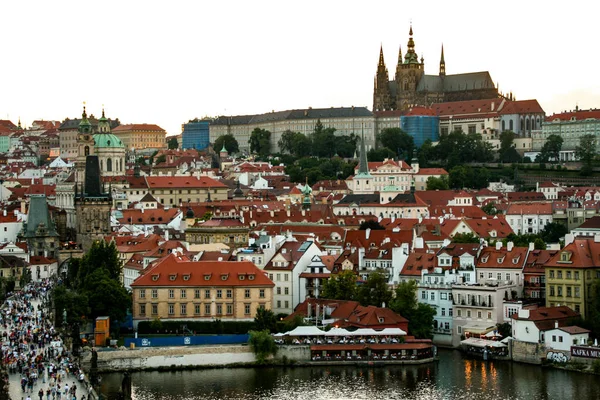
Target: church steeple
{"type": "Point", "coordinates": [381, 61]}
{"type": "Point", "coordinates": [363, 165]}
{"type": "Point", "coordinates": [442, 63]}
{"type": "Point", "coordinates": [411, 56]}
{"type": "Point", "coordinates": [84, 125]}
{"type": "Point", "coordinates": [381, 90]}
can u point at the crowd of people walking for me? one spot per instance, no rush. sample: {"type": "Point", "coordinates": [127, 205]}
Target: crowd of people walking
{"type": "Point", "coordinates": [33, 351]}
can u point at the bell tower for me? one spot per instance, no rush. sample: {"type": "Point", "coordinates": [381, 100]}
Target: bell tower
{"type": "Point", "coordinates": [85, 145]}
{"type": "Point", "coordinates": [408, 76]}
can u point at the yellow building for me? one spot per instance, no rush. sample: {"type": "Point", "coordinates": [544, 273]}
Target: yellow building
{"type": "Point", "coordinates": [174, 190]}
{"type": "Point", "coordinates": [570, 274]}
{"type": "Point", "coordinates": [141, 136]}
{"type": "Point", "coordinates": [179, 289]}
{"type": "Point", "coordinates": [230, 231]}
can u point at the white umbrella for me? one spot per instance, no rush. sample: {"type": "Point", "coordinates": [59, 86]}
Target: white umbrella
{"type": "Point", "coordinates": [337, 332]}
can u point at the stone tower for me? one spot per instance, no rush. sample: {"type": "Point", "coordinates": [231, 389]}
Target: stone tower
{"type": "Point", "coordinates": [92, 206]}
{"type": "Point", "coordinates": [408, 75]}
{"type": "Point", "coordinates": [382, 97]}
{"type": "Point", "coordinates": [85, 146]}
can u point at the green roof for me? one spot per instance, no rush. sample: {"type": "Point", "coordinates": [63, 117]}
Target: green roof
{"type": "Point", "coordinates": [38, 217]}
{"type": "Point", "coordinates": [104, 140]}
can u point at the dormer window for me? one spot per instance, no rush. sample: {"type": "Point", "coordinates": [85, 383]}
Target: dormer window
{"type": "Point", "coordinates": [224, 277]}
{"type": "Point", "coordinates": [565, 256]}
{"type": "Point", "coordinates": [516, 260]}
{"type": "Point", "coordinates": [172, 277]}
{"type": "Point", "coordinates": [500, 260]}
{"type": "Point", "coordinates": [186, 277]}
{"type": "Point", "coordinates": [484, 259]}
{"type": "Point", "coordinates": [207, 277]}
{"type": "Point", "coordinates": [242, 277]}
{"type": "Point", "coordinates": [155, 277]}
{"type": "Point", "coordinates": [381, 319]}
{"type": "Point", "coordinates": [251, 277]}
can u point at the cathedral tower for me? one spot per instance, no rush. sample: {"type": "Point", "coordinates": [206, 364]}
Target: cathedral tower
{"type": "Point", "coordinates": [408, 76]}
{"type": "Point", "coordinates": [85, 145]}
{"type": "Point", "coordinates": [382, 99]}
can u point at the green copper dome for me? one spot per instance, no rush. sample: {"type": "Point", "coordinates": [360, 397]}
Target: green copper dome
{"type": "Point", "coordinates": [107, 140]}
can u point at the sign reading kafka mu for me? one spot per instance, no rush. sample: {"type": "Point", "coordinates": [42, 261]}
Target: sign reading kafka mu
{"type": "Point", "coordinates": [585, 352]}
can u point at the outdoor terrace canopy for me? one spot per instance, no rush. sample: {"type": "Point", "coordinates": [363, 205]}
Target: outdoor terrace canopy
{"type": "Point", "coordinates": [306, 331]}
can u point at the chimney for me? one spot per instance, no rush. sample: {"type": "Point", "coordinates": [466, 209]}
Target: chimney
{"type": "Point", "coordinates": [166, 235]}
{"type": "Point", "coordinates": [4, 212]}
{"type": "Point", "coordinates": [493, 104]}
{"type": "Point", "coordinates": [509, 246]}
{"type": "Point", "coordinates": [596, 236]}
{"type": "Point", "coordinates": [569, 238]}
{"type": "Point", "coordinates": [531, 246]}
{"type": "Point", "coordinates": [555, 324]}
{"type": "Point", "coordinates": [498, 245]}
{"type": "Point", "coordinates": [367, 233]}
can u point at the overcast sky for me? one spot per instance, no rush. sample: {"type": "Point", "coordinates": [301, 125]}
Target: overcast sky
{"type": "Point", "coordinates": [165, 62]}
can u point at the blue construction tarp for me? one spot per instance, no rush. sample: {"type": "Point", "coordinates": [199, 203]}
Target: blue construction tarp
{"type": "Point", "coordinates": [164, 341]}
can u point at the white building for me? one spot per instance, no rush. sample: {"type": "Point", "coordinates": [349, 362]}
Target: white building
{"type": "Point", "coordinates": [529, 217]}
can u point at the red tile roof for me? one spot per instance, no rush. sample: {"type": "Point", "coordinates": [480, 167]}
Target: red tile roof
{"type": "Point", "coordinates": [522, 107]}
{"type": "Point", "coordinates": [578, 115]}
{"type": "Point", "coordinates": [137, 127]}
{"type": "Point", "coordinates": [171, 271]}
{"type": "Point", "coordinates": [163, 182]}
{"type": "Point", "coordinates": [544, 208]}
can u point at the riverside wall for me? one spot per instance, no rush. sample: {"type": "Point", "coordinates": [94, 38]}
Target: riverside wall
{"type": "Point", "coordinates": [153, 358]}
{"type": "Point", "coordinates": [525, 352]}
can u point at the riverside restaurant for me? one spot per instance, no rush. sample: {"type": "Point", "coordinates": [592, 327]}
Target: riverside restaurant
{"type": "Point", "coordinates": [338, 345]}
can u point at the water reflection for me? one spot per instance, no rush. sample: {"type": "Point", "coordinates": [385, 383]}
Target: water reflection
{"type": "Point", "coordinates": [453, 377]}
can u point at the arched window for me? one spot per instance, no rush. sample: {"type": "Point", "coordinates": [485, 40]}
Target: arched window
{"type": "Point", "coordinates": [510, 124]}
{"type": "Point", "coordinates": [503, 126]}
{"type": "Point", "coordinates": [527, 124]}
{"type": "Point", "coordinates": [86, 151]}
{"type": "Point", "coordinates": [108, 165]}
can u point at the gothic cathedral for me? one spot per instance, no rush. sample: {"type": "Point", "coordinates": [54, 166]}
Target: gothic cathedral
{"type": "Point", "coordinates": [412, 86]}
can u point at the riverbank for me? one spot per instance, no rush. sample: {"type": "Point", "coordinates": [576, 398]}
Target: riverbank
{"type": "Point", "coordinates": [225, 356]}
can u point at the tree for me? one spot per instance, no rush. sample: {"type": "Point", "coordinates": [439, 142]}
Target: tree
{"type": "Point", "coordinates": [173, 144]}
{"type": "Point", "coordinates": [420, 316]}
{"type": "Point", "coordinates": [231, 144]}
{"type": "Point", "coordinates": [262, 344]}
{"type": "Point", "coordinates": [397, 140]}
{"type": "Point", "coordinates": [507, 147]}
{"type": "Point", "coordinates": [504, 330]}
{"type": "Point", "coordinates": [594, 308]}
{"type": "Point", "coordinates": [553, 232]}
{"type": "Point", "coordinates": [345, 145]}
{"type": "Point", "coordinates": [260, 142]}
{"type": "Point", "coordinates": [426, 153]}
{"type": "Point", "coordinates": [106, 296]}
{"type": "Point", "coordinates": [160, 159]}
{"type": "Point", "coordinates": [265, 320]}
{"type": "Point", "coordinates": [586, 153]}
{"type": "Point", "coordinates": [371, 224]}
{"type": "Point", "coordinates": [435, 183]}
{"type": "Point", "coordinates": [375, 291]}
{"type": "Point", "coordinates": [551, 149]}
{"type": "Point", "coordinates": [323, 141]}
{"type": "Point", "coordinates": [465, 238]}
{"type": "Point", "coordinates": [340, 287]}
{"type": "Point", "coordinates": [380, 154]}
{"type": "Point", "coordinates": [286, 142]}
{"type": "Point", "coordinates": [490, 208]}
{"type": "Point", "coordinates": [524, 239]}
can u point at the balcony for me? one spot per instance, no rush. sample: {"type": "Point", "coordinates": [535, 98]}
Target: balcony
{"type": "Point", "coordinates": [442, 331]}
{"type": "Point", "coordinates": [473, 304]}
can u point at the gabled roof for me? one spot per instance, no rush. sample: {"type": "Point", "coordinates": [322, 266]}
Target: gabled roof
{"type": "Point", "coordinates": [582, 253]}
{"type": "Point", "coordinates": [186, 182]}
{"type": "Point", "coordinates": [502, 259]}
{"type": "Point", "coordinates": [522, 107]}
{"type": "Point", "coordinates": [541, 208]}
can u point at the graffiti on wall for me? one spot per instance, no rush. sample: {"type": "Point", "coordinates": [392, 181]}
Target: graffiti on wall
{"type": "Point", "coordinates": [557, 357]}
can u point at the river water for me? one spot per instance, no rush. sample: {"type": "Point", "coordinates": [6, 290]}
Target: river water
{"type": "Point", "coordinates": [454, 376]}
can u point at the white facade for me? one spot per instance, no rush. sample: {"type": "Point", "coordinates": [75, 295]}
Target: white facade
{"type": "Point", "coordinates": [559, 339]}
{"type": "Point", "coordinates": [435, 289]}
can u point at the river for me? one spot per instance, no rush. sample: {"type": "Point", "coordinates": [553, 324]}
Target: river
{"type": "Point", "coordinates": [454, 377]}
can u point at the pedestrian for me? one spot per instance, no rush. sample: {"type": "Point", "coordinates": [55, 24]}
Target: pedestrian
{"type": "Point", "coordinates": [41, 394]}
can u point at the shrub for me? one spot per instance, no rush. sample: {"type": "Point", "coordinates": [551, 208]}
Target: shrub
{"type": "Point", "coordinates": [262, 344]}
{"type": "Point", "coordinates": [596, 367]}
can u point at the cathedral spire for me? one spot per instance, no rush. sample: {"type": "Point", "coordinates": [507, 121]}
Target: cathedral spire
{"type": "Point", "coordinates": [381, 62]}
{"type": "Point", "coordinates": [442, 63]}
{"type": "Point", "coordinates": [400, 55]}
{"type": "Point", "coordinates": [411, 56]}
{"type": "Point", "coordinates": [84, 125]}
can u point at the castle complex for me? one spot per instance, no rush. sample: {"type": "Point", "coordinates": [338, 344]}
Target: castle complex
{"type": "Point", "coordinates": [411, 86]}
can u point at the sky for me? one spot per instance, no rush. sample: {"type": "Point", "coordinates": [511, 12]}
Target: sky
{"type": "Point", "coordinates": [166, 62]}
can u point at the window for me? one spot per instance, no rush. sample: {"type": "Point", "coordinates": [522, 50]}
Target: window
{"type": "Point", "coordinates": [286, 290]}
{"type": "Point", "coordinates": [278, 290]}
{"type": "Point", "coordinates": [229, 309]}
{"type": "Point", "coordinates": [278, 303]}
{"type": "Point", "coordinates": [576, 275]}
{"type": "Point", "coordinates": [472, 128]}
{"type": "Point", "coordinates": [459, 313]}
{"type": "Point", "coordinates": [197, 309]}
{"type": "Point", "coordinates": [468, 313]}
{"type": "Point", "coordinates": [479, 314]}
{"type": "Point", "coordinates": [443, 312]}
{"type": "Point", "coordinates": [508, 276]}
{"type": "Point", "coordinates": [424, 295]}
{"type": "Point", "coordinates": [551, 274]}
{"type": "Point", "coordinates": [262, 293]}
{"type": "Point", "coordinates": [568, 274]}
{"type": "Point", "coordinates": [449, 312]}
{"type": "Point", "coordinates": [432, 296]}
{"type": "Point", "coordinates": [171, 309]}
{"type": "Point", "coordinates": [229, 293]}
{"type": "Point", "coordinates": [207, 309]}
{"type": "Point", "coordinates": [559, 274]}
{"type": "Point", "coordinates": [142, 293]}
{"type": "Point", "coordinates": [219, 293]}
{"type": "Point", "coordinates": [247, 309]}
{"type": "Point", "coordinates": [207, 294]}
{"type": "Point", "coordinates": [142, 309]}
{"type": "Point", "coordinates": [183, 309]}
{"type": "Point", "coordinates": [287, 304]}
{"type": "Point", "coordinates": [154, 309]}
{"type": "Point", "coordinates": [489, 316]}
{"type": "Point", "coordinates": [499, 276]}
{"type": "Point", "coordinates": [183, 293]}
{"type": "Point", "coordinates": [154, 293]}
{"type": "Point", "coordinates": [552, 291]}
{"type": "Point", "coordinates": [196, 293]}
{"type": "Point", "coordinates": [568, 291]}
{"type": "Point", "coordinates": [171, 293]}
{"type": "Point", "coordinates": [247, 293]}
{"type": "Point", "coordinates": [271, 276]}
{"type": "Point", "coordinates": [278, 277]}
{"type": "Point", "coordinates": [219, 309]}
{"type": "Point", "coordinates": [559, 291]}
{"type": "Point", "coordinates": [560, 339]}
{"type": "Point", "coordinates": [577, 291]}
{"type": "Point", "coordinates": [443, 296]}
